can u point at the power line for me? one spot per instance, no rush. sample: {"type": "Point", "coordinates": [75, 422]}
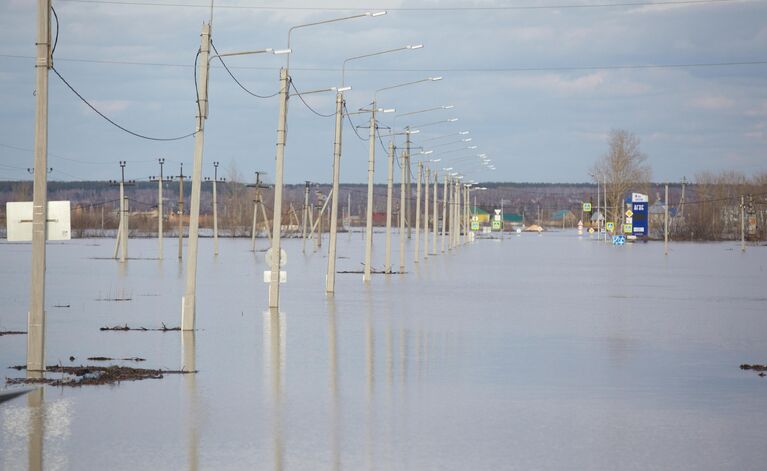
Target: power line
{"type": "Point", "coordinates": [221, 59]}
{"type": "Point", "coordinates": [307, 104]}
{"type": "Point", "coordinates": [680, 65]}
{"type": "Point", "coordinates": [354, 126]}
{"type": "Point", "coordinates": [563, 6]}
{"type": "Point", "coordinates": [114, 123]}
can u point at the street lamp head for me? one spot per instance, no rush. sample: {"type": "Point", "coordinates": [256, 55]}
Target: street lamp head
{"type": "Point", "coordinates": [278, 52]}
{"type": "Point", "coordinates": [437, 160]}
{"type": "Point", "coordinates": [342, 89]}
{"type": "Point", "coordinates": [463, 133]}
{"type": "Point", "coordinates": [448, 107]}
{"type": "Point", "coordinates": [415, 46]}
{"type": "Point", "coordinates": [378, 13]}
{"type": "Point", "coordinates": [387, 110]}
{"type": "Point", "coordinates": [468, 139]}
{"type": "Point", "coordinates": [452, 120]}
{"type": "Point", "coordinates": [434, 79]}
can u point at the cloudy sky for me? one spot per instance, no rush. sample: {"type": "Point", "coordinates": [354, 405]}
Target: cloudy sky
{"type": "Point", "coordinates": [539, 84]}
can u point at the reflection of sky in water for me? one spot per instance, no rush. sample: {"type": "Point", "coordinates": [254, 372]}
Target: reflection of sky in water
{"type": "Point", "coordinates": [536, 352]}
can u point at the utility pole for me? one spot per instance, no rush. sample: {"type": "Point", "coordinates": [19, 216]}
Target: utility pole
{"type": "Point", "coordinates": [122, 229]}
{"type": "Point", "coordinates": [427, 177]}
{"type": "Point", "coordinates": [159, 181]}
{"type": "Point", "coordinates": [36, 317]}
{"type": "Point", "coordinates": [215, 209]}
{"type": "Point", "coordinates": [742, 223]}
{"type": "Point", "coordinates": [321, 202]}
{"type": "Point", "coordinates": [503, 219]}
{"type": "Point", "coordinates": [180, 210]}
{"type": "Point", "coordinates": [680, 212]}
{"type": "Point", "coordinates": [330, 275]}
{"type": "Point", "coordinates": [403, 171]}
{"type": "Point", "coordinates": [274, 280]}
{"type": "Point", "coordinates": [188, 301]}
{"type": "Point", "coordinates": [408, 193]}
{"type": "Point", "coordinates": [444, 214]}
{"type": "Point", "coordinates": [417, 247]}
{"type": "Point", "coordinates": [389, 190]}
{"type": "Point", "coordinates": [371, 170]}
{"type": "Point", "coordinates": [435, 221]}
{"type": "Point", "coordinates": [665, 230]}
{"type": "Point", "coordinates": [306, 215]}
{"type": "Point", "coordinates": [258, 204]}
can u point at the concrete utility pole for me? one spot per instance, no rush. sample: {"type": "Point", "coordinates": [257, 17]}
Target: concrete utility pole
{"type": "Point", "coordinates": [159, 211]}
{"type": "Point", "coordinates": [215, 209]}
{"type": "Point", "coordinates": [435, 222]}
{"type": "Point", "coordinates": [427, 177]}
{"type": "Point", "coordinates": [389, 190]}
{"type": "Point", "coordinates": [665, 229]}
{"type": "Point", "coordinates": [403, 171]}
{"type": "Point", "coordinates": [180, 211]}
{"type": "Point", "coordinates": [188, 301]}
{"type": "Point", "coordinates": [36, 316]}
{"type": "Point", "coordinates": [258, 204]}
{"type": "Point", "coordinates": [121, 241]}
{"type": "Point", "coordinates": [371, 171]}
{"type": "Point", "coordinates": [330, 276]}
{"type": "Point", "coordinates": [274, 280]}
{"type": "Point", "coordinates": [321, 203]}
{"type": "Point", "coordinates": [408, 192]}
{"type": "Point", "coordinates": [416, 247]}
{"type": "Point", "coordinates": [742, 223]}
{"type": "Point", "coordinates": [503, 219]}
{"type": "Point", "coordinates": [444, 214]}
{"type": "Point", "coordinates": [306, 215]}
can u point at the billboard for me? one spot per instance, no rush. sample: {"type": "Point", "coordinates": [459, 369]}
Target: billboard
{"type": "Point", "coordinates": [639, 206]}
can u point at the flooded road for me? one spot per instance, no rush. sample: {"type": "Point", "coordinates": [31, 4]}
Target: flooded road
{"type": "Point", "coordinates": [535, 352]}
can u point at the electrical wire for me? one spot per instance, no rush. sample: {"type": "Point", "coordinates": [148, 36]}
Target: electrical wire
{"type": "Point", "coordinates": [354, 126]}
{"type": "Point", "coordinates": [563, 6]}
{"type": "Point", "coordinates": [221, 59]}
{"type": "Point", "coordinates": [307, 104]}
{"type": "Point", "coordinates": [150, 138]}
{"type": "Point", "coordinates": [56, 41]}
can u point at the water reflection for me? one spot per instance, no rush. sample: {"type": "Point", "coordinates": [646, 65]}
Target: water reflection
{"type": "Point", "coordinates": [189, 363]}
{"type": "Point", "coordinates": [370, 369]}
{"type": "Point", "coordinates": [36, 425]}
{"type": "Point", "coordinates": [274, 365]}
{"type": "Point", "coordinates": [335, 410]}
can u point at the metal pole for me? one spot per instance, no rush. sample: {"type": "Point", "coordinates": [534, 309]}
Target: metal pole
{"type": "Point", "coordinates": [451, 205]}
{"type": "Point", "coordinates": [188, 301]}
{"type": "Point", "coordinates": [444, 214]}
{"type": "Point", "coordinates": [665, 229]}
{"type": "Point", "coordinates": [503, 220]}
{"type": "Point", "coordinates": [123, 215]}
{"type": "Point", "coordinates": [435, 221]}
{"type": "Point", "coordinates": [417, 246]}
{"type": "Point", "coordinates": [604, 191]}
{"type": "Point", "coordinates": [215, 209]}
{"type": "Point", "coordinates": [274, 284]}
{"type": "Point", "coordinates": [36, 316]}
{"type": "Point", "coordinates": [389, 190]}
{"type": "Point", "coordinates": [330, 278]}
{"type": "Point", "coordinates": [371, 170]}
{"type": "Point", "coordinates": [427, 177]}
{"type": "Point", "coordinates": [159, 211]}
{"type": "Point", "coordinates": [599, 234]}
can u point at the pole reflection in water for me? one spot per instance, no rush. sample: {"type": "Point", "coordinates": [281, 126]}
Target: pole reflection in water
{"type": "Point", "coordinates": [36, 425]}
{"type": "Point", "coordinates": [274, 365]}
{"type": "Point", "coordinates": [189, 363]}
{"type": "Point", "coordinates": [334, 394]}
{"type": "Point", "coordinates": [370, 356]}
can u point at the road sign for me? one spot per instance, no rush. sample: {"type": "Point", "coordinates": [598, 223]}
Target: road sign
{"type": "Point", "coordinates": [627, 228]}
{"type": "Point", "coordinates": [639, 198]}
{"type": "Point", "coordinates": [474, 226]}
{"type": "Point", "coordinates": [496, 225]}
{"type": "Point", "coordinates": [629, 213]}
{"type": "Point", "coordinates": [475, 219]}
{"type": "Point", "coordinates": [283, 257]}
{"type": "Point", "coordinates": [497, 212]}
{"type": "Point", "coordinates": [497, 217]}
{"type": "Point", "coordinates": [619, 240]}
{"type": "Point", "coordinates": [19, 221]}
{"type": "Point", "coordinates": [610, 226]}
{"type": "Point", "coordinates": [591, 230]}
{"type": "Point", "coordinates": [586, 207]}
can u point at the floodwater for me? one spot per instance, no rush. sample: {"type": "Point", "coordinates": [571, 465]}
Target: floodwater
{"type": "Point", "coordinates": [536, 352]}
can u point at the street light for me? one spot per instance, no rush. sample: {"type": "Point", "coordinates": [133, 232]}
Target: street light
{"type": "Point", "coordinates": [188, 301]}
{"type": "Point", "coordinates": [274, 279]}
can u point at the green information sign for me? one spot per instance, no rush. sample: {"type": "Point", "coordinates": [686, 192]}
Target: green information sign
{"type": "Point", "coordinates": [496, 225]}
{"type": "Point", "coordinates": [474, 226]}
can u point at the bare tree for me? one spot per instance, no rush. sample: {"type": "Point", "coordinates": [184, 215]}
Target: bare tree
{"type": "Point", "coordinates": [625, 167]}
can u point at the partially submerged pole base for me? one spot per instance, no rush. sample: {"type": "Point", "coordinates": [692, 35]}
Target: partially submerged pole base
{"type": "Point", "coordinates": [36, 343]}
{"type": "Point", "coordinates": [187, 313]}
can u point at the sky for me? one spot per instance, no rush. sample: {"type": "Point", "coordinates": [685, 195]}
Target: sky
{"type": "Point", "coordinates": [538, 84]}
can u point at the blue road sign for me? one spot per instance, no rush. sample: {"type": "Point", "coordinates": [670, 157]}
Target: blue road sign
{"type": "Point", "coordinates": [639, 206]}
{"type": "Point", "coordinates": [619, 240]}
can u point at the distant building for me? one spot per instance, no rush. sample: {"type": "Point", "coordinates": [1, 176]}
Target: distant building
{"type": "Point", "coordinates": [481, 214]}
